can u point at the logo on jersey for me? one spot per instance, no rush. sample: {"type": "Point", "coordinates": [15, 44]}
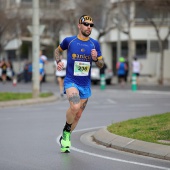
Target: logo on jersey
{"type": "Point", "coordinates": [73, 56]}
{"type": "Point", "coordinates": [82, 57]}
{"type": "Point", "coordinates": [82, 50]}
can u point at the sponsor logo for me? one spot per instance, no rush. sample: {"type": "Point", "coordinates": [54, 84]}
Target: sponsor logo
{"type": "Point", "coordinates": [79, 44]}
{"type": "Point", "coordinates": [82, 57]}
{"type": "Point", "coordinates": [82, 50]}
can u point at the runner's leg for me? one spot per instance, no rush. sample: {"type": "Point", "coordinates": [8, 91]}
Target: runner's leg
{"type": "Point", "coordinates": [74, 100]}
{"type": "Point", "coordinates": [75, 104]}
{"type": "Point", "coordinates": [79, 113]}
{"type": "Point", "coordinates": [60, 82]}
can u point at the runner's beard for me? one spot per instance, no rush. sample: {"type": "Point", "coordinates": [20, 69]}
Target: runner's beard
{"type": "Point", "coordinates": [85, 34]}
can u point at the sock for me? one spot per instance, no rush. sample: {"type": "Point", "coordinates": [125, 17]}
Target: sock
{"type": "Point", "coordinates": [67, 127]}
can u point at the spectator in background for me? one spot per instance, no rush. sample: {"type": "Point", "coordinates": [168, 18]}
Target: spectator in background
{"type": "Point", "coordinates": [0, 70]}
{"type": "Point", "coordinates": [30, 71]}
{"type": "Point", "coordinates": [26, 65]}
{"type": "Point", "coordinates": [4, 65]}
{"type": "Point", "coordinates": [11, 68]}
{"type": "Point", "coordinates": [136, 68]}
{"type": "Point", "coordinates": [127, 70]}
{"type": "Point", "coordinates": [121, 70]}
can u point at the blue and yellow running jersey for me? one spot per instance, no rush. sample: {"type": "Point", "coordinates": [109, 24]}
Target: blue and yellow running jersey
{"type": "Point", "coordinates": [79, 59]}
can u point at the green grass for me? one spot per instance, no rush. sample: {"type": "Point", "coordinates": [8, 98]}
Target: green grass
{"type": "Point", "coordinates": [149, 129]}
{"type": "Point", "coordinates": [46, 94]}
{"type": "Point", "coordinates": [7, 96]}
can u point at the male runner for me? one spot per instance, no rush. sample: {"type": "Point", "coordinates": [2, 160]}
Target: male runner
{"type": "Point", "coordinates": [81, 52]}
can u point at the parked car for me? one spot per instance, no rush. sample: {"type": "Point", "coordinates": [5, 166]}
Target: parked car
{"type": "Point", "coordinates": [95, 74]}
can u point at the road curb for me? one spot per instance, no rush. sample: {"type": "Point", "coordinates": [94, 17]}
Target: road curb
{"type": "Point", "coordinates": [104, 137]}
{"type": "Point", "coordinates": [28, 101]}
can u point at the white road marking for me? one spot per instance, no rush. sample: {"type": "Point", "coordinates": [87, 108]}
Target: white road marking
{"type": "Point", "coordinates": [118, 160]}
{"type": "Point", "coordinates": [154, 92]}
{"type": "Point", "coordinates": [140, 91]}
{"type": "Point", "coordinates": [109, 158]}
{"type": "Point", "coordinates": [111, 101]}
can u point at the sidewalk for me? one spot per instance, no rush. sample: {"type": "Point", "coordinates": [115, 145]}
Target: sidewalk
{"type": "Point", "coordinates": [104, 137]}
{"type": "Point", "coordinates": [28, 101]}
{"type": "Point", "coordinates": [27, 88]}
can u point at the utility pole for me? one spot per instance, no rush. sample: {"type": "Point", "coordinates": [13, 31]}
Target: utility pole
{"type": "Point", "coordinates": [35, 49]}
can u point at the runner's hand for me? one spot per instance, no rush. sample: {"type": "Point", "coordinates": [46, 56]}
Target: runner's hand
{"type": "Point", "coordinates": [60, 66]}
{"type": "Point", "coordinates": [94, 54]}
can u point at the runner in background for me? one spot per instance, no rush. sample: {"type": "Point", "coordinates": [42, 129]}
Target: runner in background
{"type": "Point", "coordinates": [60, 75]}
{"type": "Point", "coordinates": [121, 70]}
{"type": "Point", "coordinates": [42, 62]}
{"type": "Point", "coordinates": [136, 69]}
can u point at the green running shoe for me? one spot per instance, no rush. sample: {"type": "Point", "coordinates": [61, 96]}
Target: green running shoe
{"type": "Point", "coordinates": [65, 142]}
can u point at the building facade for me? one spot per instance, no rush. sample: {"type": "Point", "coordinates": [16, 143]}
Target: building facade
{"type": "Point", "coordinates": [132, 35]}
{"type": "Point", "coordinates": [144, 40]}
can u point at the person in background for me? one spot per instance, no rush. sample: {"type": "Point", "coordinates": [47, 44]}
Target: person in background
{"type": "Point", "coordinates": [136, 68]}
{"type": "Point", "coordinates": [11, 68]}
{"type": "Point", "coordinates": [30, 71]}
{"type": "Point", "coordinates": [42, 62]}
{"type": "Point", "coordinates": [127, 70]}
{"type": "Point", "coordinates": [60, 75]}
{"type": "Point", "coordinates": [0, 70]}
{"type": "Point", "coordinates": [26, 65]}
{"type": "Point", "coordinates": [121, 70]}
{"type": "Point", "coordinates": [82, 50]}
{"type": "Point", "coordinates": [4, 65]}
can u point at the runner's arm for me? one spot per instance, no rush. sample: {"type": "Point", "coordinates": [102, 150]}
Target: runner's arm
{"type": "Point", "coordinates": [58, 57]}
{"type": "Point", "coordinates": [99, 63]}
{"type": "Point", "coordinates": [58, 54]}
{"type": "Point", "coordinates": [97, 59]}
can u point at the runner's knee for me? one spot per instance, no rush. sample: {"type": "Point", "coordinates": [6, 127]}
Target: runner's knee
{"type": "Point", "coordinates": [75, 107]}
{"type": "Point", "coordinates": [77, 117]}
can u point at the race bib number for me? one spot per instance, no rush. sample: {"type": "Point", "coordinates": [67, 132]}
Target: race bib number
{"type": "Point", "coordinates": [81, 68]}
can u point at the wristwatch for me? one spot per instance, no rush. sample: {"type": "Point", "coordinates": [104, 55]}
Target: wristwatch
{"type": "Point", "coordinates": [58, 61]}
{"type": "Point", "coordinates": [95, 60]}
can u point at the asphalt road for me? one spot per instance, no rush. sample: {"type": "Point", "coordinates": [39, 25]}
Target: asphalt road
{"type": "Point", "coordinates": [29, 134]}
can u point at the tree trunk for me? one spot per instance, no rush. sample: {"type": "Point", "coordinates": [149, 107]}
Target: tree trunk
{"type": "Point", "coordinates": [130, 53]}
{"type": "Point", "coordinates": [161, 78]}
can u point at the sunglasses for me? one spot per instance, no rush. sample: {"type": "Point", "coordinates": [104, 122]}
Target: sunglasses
{"type": "Point", "coordinates": [87, 24]}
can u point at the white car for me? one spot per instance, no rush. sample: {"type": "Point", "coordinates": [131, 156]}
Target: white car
{"type": "Point", "coordinates": [95, 74]}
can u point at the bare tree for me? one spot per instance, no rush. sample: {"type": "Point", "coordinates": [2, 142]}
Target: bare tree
{"type": "Point", "coordinates": [7, 27]}
{"type": "Point", "coordinates": [100, 12]}
{"type": "Point", "coordinates": [158, 15]}
{"type": "Point", "coordinates": [124, 18]}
